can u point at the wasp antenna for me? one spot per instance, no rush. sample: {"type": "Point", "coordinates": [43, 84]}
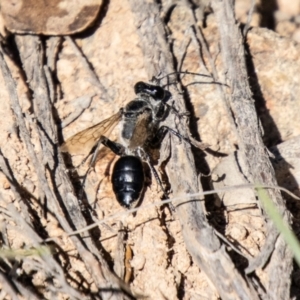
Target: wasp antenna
{"type": "Point", "coordinates": [183, 72]}
{"type": "Point", "coordinates": [156, 80]}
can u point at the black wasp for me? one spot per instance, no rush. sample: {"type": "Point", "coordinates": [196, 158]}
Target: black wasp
{"type": "Point", "coordinates": [141, 130]}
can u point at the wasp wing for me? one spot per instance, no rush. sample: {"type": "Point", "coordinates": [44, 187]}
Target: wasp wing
{"type": "Point", "coordinates": [83, 141]}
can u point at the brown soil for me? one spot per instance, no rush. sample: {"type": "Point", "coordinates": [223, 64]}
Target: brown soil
{"type": "Point", "coordinates": [157, 260]}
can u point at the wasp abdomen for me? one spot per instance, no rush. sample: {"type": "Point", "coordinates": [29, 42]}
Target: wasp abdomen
{"type": "Point", "coordinates": [128, 180]}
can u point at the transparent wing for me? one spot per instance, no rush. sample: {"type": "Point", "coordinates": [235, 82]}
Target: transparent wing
{"type": "Point", "coordinates": [83, 141]}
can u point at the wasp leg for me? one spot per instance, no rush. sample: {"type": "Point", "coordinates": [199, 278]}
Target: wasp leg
{"type": "Point", "coordinates": [162, 132]}
{"type": "Point", "coordinates": [175, 111]}
{"type": "Point", "coordinates": [117, 148]}
{"type": "Point", "coordinates": [146, 157]}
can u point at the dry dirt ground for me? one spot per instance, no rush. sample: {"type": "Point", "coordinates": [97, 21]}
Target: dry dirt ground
{"type": "Point", "coordinates": [147, 244]}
